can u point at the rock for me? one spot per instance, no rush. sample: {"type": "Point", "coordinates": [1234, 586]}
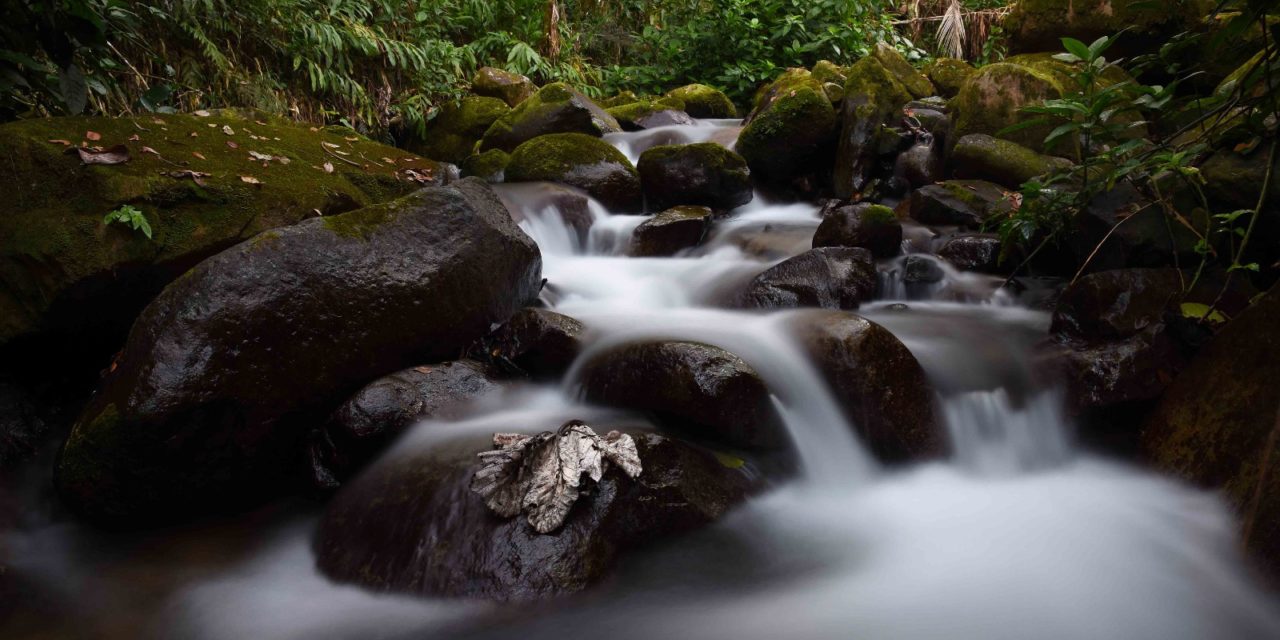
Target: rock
{"type": "Point", "coordinates": [992, 100]}
{"type": "Point", "coordinates": [704, 173]}
{"type": "Point", "coordinates": [918, 269]}
{"type": "Point", "coordinates": [828, 72]}
{"type": "Point", "coordinates": [453, 134]}
{"type": "Point", "coordinates": [637, 116]}
{"type": "Point", "coordinates": [580, 161]}
{"type": "Point", "coordinates": [789, 135]}
{"type": "Point", "coordinates": [1116, 304]}
{"type": "Point", "coordinates": [827, 278]}
{"type": "Point", "coordinates": [555, 108]}
{"type": "Point", "coordinates": [873, 99]}
{"type": "Point", "coordinates": [538, 342]}
{"type": "Point", "coordinates": [695, 388]}
{"type": "Point", "coordinates": [964, 203]}
{"type": "Point", "coordinates": [1039, 25]}
{"type": "Point", "coordinates": [623, 97]}
{"type": "Point", "coordinates": [377, 414]}
{"type": "Point", "coordinates": [412, 524]}
{"type": "Point", "coordinates": [77, 283]}
{"type": "Point", "coordinates": [1147, 238]}
{"type": "Point", "coordinates": [511, 88]}
{"type": "Point", "coordinates": [870, 226]}
{"type": "Point", "coordinates": [1216, 425]}
{"type": "Point", "coordinates": [671, 231]}
{"type": "Point", "coordinates": [207, 402]}
{"type": "Point", "coordinates": [881, 387]}
{"type": "Point", "coordinates": [948, 75]}
{"type": "Point", "coordinates": [915, 82]}
{"type": "Point", "coordinates": [1008, 164]}
{"type": "Point", "coordinates": [1235, 181]}
{"type": "Point", "coordinates": [21, 426]}
{"type": "Point", "coordinates": [973, 252]}
{"type": "Point", "coordinates": [919, 166]}
{"type": "Point", "coordinates": [490, 166]}
{"type": "Point", "coordinates": [701, 101]}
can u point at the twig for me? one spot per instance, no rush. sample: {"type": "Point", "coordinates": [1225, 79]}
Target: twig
{"type": "Point", "coordinates": [350, 162]}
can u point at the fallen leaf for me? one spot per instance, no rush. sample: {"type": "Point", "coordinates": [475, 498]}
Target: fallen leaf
{"type": "Point", "coordinates": [422, 369]}
{"type": "Point", "coordinates": [65, 143]}
{"type": "Point", "coordinates": [150, 150]}
{"type": "Point", "coordinates": [196, 176]}
{"type": "Point", "coordinates": [283, 160]}
{"type": "Point", "coordinates": [351, 138]}
{"type": "Point", "coordinates": [198, 155]}
{"type": "Point", "coordinates": [157, 121]}
{"type": "Point", "coordinates": [118, 154]}
{"type": "Point", "coordinates": [329, 144]}
{"type": "Point", "coordinates": [250, 180]}
{"type": "Point", "coordinates": [228, 130]}
{"type": "Point", "coordinates": [328, 167]}
{"type": "Point", "coordinates": [315, 128]}
{"type": "Point", "coordinates": [260, 122]}
{"type": "Point", "coordinates": [195, 135]}
{"type": "Point", "coordinates": [92, 135]}
{"type": "Point", "coordinates": [134, 138]}
{"type": "Point", "coordinates": [389, 160]}
{"type": "Point", "coordinates": [260, 156]}
{"type": "Point", "coordinates": [232, 144]}
{"type": "Point", "coordinates": [202, 113]}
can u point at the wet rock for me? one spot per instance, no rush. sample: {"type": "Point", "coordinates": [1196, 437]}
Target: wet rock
{"type": "Point", "coordinates": [1008, 164]}
{"type": "Point", "coordinates": [619, 99]}
{"type": "Point", "coordinates": [490, 166]}
{"type": "Point", "coordinates": [696, 388]}
{"type": "Point", "coordinates": [788, 136]}
{"type": "Point", "coordinates": [1116, 304]}
{"type": "Point", "coordinates": [963, 203]}
{"type": "Point", "coordinates": [827, 278]}
{"type": "Point", "coordinates": [76, 283]}
{"type": "Point", "coordinates": [701, 101]}
{"type": "Point", "coordinates": [705, 174]}
{"type": "Point", "coordinates": [572, 204]}
{"type": "Point", "coordinates": [511, 88]}
{"type": "Point", "coordinates": [881, 387]}
{"type": "Point", "coordinates": [364, 425]}
{"type": "Point", "coordinates": [208, 400]}
{"type": "Point", "coordinates": [873, 98]}
{"type": "Point", "coordinates": [870, 226]}
{"type": "Point", "coordinates": [921, 270]}
{"type": "Point", "coordinates": [1147, 238]}
{"type": "Point", "coordinates": [948, 75]}
{"type": "Point", "coordinates": [828, 72]}
{"type": "Point", "coordinates": [1217, 424]}
{"type": "Point", "coordinates": [637, 116]}
{"type": "Point", "coordinates": [580, 161]}
{"type": "Point", "coordinates": [915, 82]}
{"type": "Point", "coordinates": [671, 231]}
{"type": "Point", "coordinates": [453, 134]}
{"type": "Point", "coordinates": [540, 343]}
{"type": "Point", "coordinates": [412, 524]}
{"type": "Point", "coordinates": [973, 252]}
{"type": "Point", "coordinates": [919, 166]}
{"type": "Point", "coordinates": [555, 108]}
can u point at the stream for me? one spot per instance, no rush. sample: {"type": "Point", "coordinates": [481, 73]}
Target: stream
{"type": "Point", "coordinates": [1019, 533]}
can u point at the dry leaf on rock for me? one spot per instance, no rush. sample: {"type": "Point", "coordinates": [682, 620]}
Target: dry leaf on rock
{"type": "Point", "coordinates": [118, 154]}
{"type": "Point", "coordinates": [250, 180]}
{"type": "Point", "coordinates": [92, 135]}
{"type": "Point", "coordinates": [65, 143]}
{"type": "Point", "coordinates": [328, 167]}
{"type": "Point", "coordinates": [196, 176]}
{"type": "Point", "coordinates": [198, 155]}
{"type": "Point", "coordinates": [228, 130]}
{"type": "Point", "coordinates": [202, 113]}
{"type": "Point", "coordinates": [232, 144]}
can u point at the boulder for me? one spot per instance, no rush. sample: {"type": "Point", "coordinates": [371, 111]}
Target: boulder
{"type": "Point", "coordinates": [490, 166]}
{"type": "Point", "coordinates": [511, 88]}
{"type": "Point", "coordinates": [1235, 181]}
{"type": "Point", "coordinates": [964, 203]}
{"type": "Point", "coordinates": [973, 252]}
{"type": "Point", "coordinates": [919, 166]}
{"type": "Point", "coordinates": [636, 116]}
{"type": "Point", "coordinates": [1217, 424]}
{"type": "Point", "coordinates": [701, 101]}
{"type": "Point", "coordinates": [921, 269]}
{"type": "Point", "coordinates": [694, 388]}
{"type": "Point", "coordinates": [827, 278]}
{"type": "Point", "coordinates": [881, 387]}
{"type": "Point", "coordinates": [981, 157]}
{"type": "Point", "coordinates": [537, 342]}
{"type": "Point", "coordinates": [915, 82]}
{"type": "Point", "coordinates": [789, 135]}
{"type": "Point", "coordinates": [828, 72]}
{"type": "Point", "coordinates": [580, 161]}
{"type": "Point", "coordinates": [555, 108]}
{"type": "Point", "coordinates": [873, 99]}
{"type": "Point", "coordinates": [376, 415]}
{"type": "Point", "coordinates": [1039, 25]}
{"type": "Point", "coordinates": [1116, 304]}
{"type": "Point", "coordinates": [68, 276]}
{"type": "Point", "coordinates": [413, 524]}
{"type": "Point", "coordinates": [1123, 228]}
{"type": "Point", "coordinates": [948, 75]}
{"type": "Point", "coordinates": [21, 426]}
{"type": "Point", "coordinates": [453, 134]}
{"type": "Point", "coordinates": [870, 226]}
{"type": "Point", "coordinates": [992, 100]}
{"type": "Point", "coordinates": [671, 231]}
{"type": "Point", "coordinates": [703, 173]}
{"type": "Point", "coordinates": [623, 97]}
{"type": "Point", "coordinates": [207, 403]}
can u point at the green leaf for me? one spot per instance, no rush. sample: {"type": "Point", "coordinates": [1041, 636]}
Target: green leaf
{"type": "Point", "coordinates": [1197, 311]}
{"type": "Point", "coordinates": [1077, 48]}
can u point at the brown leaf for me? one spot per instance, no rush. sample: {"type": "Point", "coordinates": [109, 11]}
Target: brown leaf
{"type": "Point", "coordinates": [92, 135]}
{"type": "Point", "coordinates": [329, 144]}
{"type": "Point", "coordinates": [195, 135]}
{"type": "Point", "coordinates": [134, 138]}
{"type": "Point", "coordinates": [202, 113]}
{"type": "Point", "coordinates": [65, 143]}
{"type": "Point", "coordinates": [157, 121]}
{"type": "Point", "coordinates": [328, 167]}
{"type": "Point", "coordinates": [118, 154]}
{"type": "Point", "coordinates": [351, 138]}
{"type": "Point", "coordinates": [196, 176]}
{"type": "Point", "coordinates": [198, 155]}
{"type": "Point", "coordinates": [150, 151]}
{"type": "Point", "coordinates": [250, 180]}
{"type": "Point", "coordinates": [232, 144]}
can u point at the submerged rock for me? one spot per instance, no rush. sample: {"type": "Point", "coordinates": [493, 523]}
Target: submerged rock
{"type": "Point", "coordinates": [413, 524]}
{"type": "Point", "coordinates": [827, 278]}
{"type": "Point", "coordinates": [511, 88]}
{"type": "Point", "coordinates": [207, 402]}
{"type": "Point", "coordinates": [581, 161]}
{"type": "Point", "coordinates": [364, 425]}
{"type": "Point", "coordinates": [704, 174]}
{"type": "Point", "coordinates": [555, 108]}
{"type": "Point", "coordinates": [702, 101]}
{"type": "Point", "coordinates": [671, 231]}
{"type": "Point", "coordinates": [870, 226]}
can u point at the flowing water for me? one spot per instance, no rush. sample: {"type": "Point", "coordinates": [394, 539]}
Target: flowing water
{"type": "Point", "coordinates": [1018, 534]}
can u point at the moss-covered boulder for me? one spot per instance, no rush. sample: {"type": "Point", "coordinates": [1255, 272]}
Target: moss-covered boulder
{"type": "Point", "coordinates": [1216, 425]}
{"type": "Point", "coordinates": [1039, 25]}
{"type": "Point", "coordinates": [623, 97]}
{"type": "Point", "coordinates": [1009, 164]}
{"type": "Point", "coordinates": [555, 108]}
{"type": "Point", "coordinates": [873, 99]}
{"type": "Point", "coordinates": [992, 100]}
{"type": "Point", "coordinates": [223, 372]}
{"type": "Point", "coordinates": [490, 166]}
{"type": "Point", "coordinates": [703, 173]}
{"type": "Point", "coordinates": [962, 203]}
{"type": "Point", "coordinates": [646, 114]}
{"type": "Point", "coordinates": [825, 71]}
{"type": "Point", "coordinates": [914, 81]}
{"type": "Point", "coordinates": [702, 101]}
{"type": "Point", "coordinates": [671, 231]}
{"type": "Point", "coordinates": [790, 134]}
{"type": "Point", "coordinates": [511, 88]}
{"type": "Point", "coordinates": [872, 227]}
{"type": "Point", "coordinates": [453, 135]}
{"type": "Point", "coordinates": [202, 183]}
{"type": "Point", "coordinates": [581, 161]}
{"type": "Point", "coordinates": [948, 75]}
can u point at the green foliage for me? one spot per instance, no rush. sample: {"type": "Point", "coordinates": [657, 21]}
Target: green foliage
{"type": "Point", "coordinates": [131, 217]}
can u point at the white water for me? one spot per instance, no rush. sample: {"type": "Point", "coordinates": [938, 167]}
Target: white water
{"type": "Point", "coordinates": [1017, 535]}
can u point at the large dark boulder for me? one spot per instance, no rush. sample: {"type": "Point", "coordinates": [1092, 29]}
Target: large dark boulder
{"type": "Point", "coordinates": [1218, 424]}
{"type": "Point", "coordinates": [555, 108]}
{"type": "Point", "coordinates": [364, 425]}
{"type": "Point", "coordinates": [1124, 228]}
{"type": "Point", "coordinates": [511, 88]}
{"type": "Point", "coordinates": [962, 203]}
{"type": "Point", "coordinates": [453, 134]}
{"type": "Point", "coordinates": [873, 99]}
{"type": "Point", "coordinates": [671, 231]}
{"type": "Point", "coordinates": [827, 278]}
{"type": "Point", "coordinates": [206, 404]}
{"type": "Point", "coordinates": [870, 226]}
{"type": "Point", "coordinates": [789, 135]}
{"type": "Point", "coordinates": [537, 342]}
{"type": "Point", "coordinates": [581, 161]}
{"type": "Point", "coordinates": [704, 174]}
{"type": "Point", "coordinates": [412, 524]}
{"type": "Point", "coordinates": [692, 387]}
{"type": "Point", "coordinates": [973, 252]}
{"type": "Point", "coordinates": [881, 387]}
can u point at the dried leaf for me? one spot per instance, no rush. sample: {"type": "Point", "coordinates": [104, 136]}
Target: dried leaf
{"type": "Point", "coordinates": [232, 144]}
{"type": "Point", "coordinates": [65, 143]}
{"type": "Point", "coordinates": [328, 167]}
{"type": "Point", "coordinates": [202, 113]}
{"type": "Point", "coordinates": [194, 134]}
{"type": "Point", "coordinates": [92, 135]}
{"type": "Point", "coordinates": [250, 180]}
{"type": "Point", "coordinates": [351, 138]}
{"type": "Point", "coordinates": [260, 156]}
{"type": "Point", "coordinates": [228, 130]}
{"type": "Point", "coordinates": [198, 155]}
{"type": "Point", "coordinates": [134, 138]}
{"type": "Point", "coordinates": [118, 154]}
{"type": "Point", "coordinates": [196, 176]}
{"type": "Point", "coordinates": [389, 160]}
{"type": "Point", "coordinates": [150, 151]}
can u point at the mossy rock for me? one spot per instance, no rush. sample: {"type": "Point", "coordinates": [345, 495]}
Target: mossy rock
{"type": "Point", "coordinates": [647, 114]}
{"type": "Point", "coordinates": [62, 270]}
{"type": "Point", "coordinates": [873, 98]}
{"type": "Point", "coordinates": [827, 71]}
{"type": "Point", "coordinates": [1039, 25]}
{"type": "Point", "coordinates": [790, 134]}
{"type": "Point", "coordinates": [948, 75]}
{"type": "Point", "coordinates": [787, 82]}
{"type": "Point", "coordinates": [555, 108]}
{"type": "Point", "coordinates": [511, 88]}
{"type": "Point", "coordinates": [582, 161]}
{"type": "Point", "coordinates": [623, 97]}
{"type": "Point", "coordinates": [702, 101]}
{"type": "Point", "coordinates": [914, 81]}
{"type": "Point", "coordinates": [489, 166]}
{"type": "Point", "coordinates": [453, 135]}
{"type": "Point", "coordinates": [703, 173]}
{"type": "Point", "coordinates": [1006, 163]}
{"type": "Point", "coordinates": [992, 100]}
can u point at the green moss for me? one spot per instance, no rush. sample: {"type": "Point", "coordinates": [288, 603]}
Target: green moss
{"type": "Point", "coordinates": [702, 101]}
{"type": "Point", "coordinates": [452, 136]}
{"type": "Point", "coordinates": [827, 71]}
{"type": "Point", "coordinates": [546, 112]}
{"type": "Point", "coordinates": [917, 84]}
{"type": "Point", "coordinates": [992, 99]}
{"type": "Point", "coordinates": [789, 81]}
{"type": "Point", "coordinates": [873, 91]}
{"type": "Point", "coordinates": [712, 157]}
{"type": "Point", "coordinates": [783, 138]}
{"type": "Point", "coordinates": [623, 97]}
{"type": "Point", "coordinates": [511, 88]}
{"type": "Point", "coordinates": [635, 110]}
{"type": "Point", "coordinates": [948, 75]}
{"type": "Point", "coordinates": [1007, 163]}
{"type": "Point", "coordinates": [361, 223]}
{"type": "Point", "coordinates": [878, 214]}
{"type": "Point", "coordinates": [490, 165]}
{"type": "Point", "coordinates": [1038, 25]}
{"type": "Point", "coordinates": [553, 157]}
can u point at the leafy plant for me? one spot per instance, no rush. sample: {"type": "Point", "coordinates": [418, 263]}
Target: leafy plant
{"type": "Point", "coordinates": [130, 216]}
